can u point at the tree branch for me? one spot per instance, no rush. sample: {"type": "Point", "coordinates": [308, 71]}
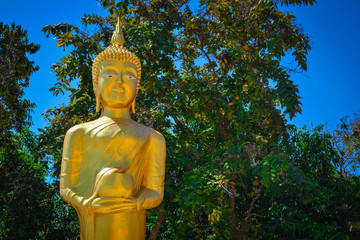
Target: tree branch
{"type": "Point", "coordinates": [156, 228]}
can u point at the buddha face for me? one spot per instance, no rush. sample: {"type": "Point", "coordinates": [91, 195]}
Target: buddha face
{"type": "Point", "coordinates": [117, 83]}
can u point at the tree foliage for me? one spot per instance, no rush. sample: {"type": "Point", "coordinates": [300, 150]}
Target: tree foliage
{"type": "Point", "coordinates": [324, 203]}
{"type": "Point", "coordinates": [15, 71]}
{"type": "Point", "coordinates": [347, 140]}
{"type": "Point", "coordinates": [214, 85]}
{"type": "Point", "coordinates": [213, 68]}
{"type": "Point", "coordinates": [30, 208]}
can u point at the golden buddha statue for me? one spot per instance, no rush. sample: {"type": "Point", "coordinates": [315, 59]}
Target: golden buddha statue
{"type": "Point", "coordinates": [113, 168]}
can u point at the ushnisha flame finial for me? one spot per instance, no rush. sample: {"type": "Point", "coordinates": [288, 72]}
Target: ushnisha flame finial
{"type": "Point", "coordinates": [116, 51]}
{"type": "Point", "coordinates": [118, 37]}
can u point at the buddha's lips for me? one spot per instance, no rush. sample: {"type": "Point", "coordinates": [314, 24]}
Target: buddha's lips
{"type": "Point", "coordinates": [118, 91]}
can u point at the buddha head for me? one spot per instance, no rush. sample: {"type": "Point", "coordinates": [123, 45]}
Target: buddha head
{"type": "Point", "coordinates": [116, 75]}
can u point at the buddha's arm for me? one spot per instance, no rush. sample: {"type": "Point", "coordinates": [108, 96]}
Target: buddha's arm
{"type": "Point", "coordinates": [152, 190]}
{"type": "Point", "coordinates": [70, 164]}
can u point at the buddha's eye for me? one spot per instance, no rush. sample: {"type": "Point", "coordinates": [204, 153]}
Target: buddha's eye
{"type": "Point", "coordinates": [108, 75]}
{"type": "Point", "coordinates": [131, 77]}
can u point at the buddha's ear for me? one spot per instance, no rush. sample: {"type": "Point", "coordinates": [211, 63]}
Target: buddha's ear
{"type": "Point", "coordinates": [133, 107]}
{"type": "Point", "coordinates": [97, 104]}
{"type": "Point", "coordinates": [136, 93]}
{"type": "Point", "coordinates": [97, 96]}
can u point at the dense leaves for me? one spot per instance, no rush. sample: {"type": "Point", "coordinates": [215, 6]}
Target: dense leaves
{"type": "Point", "coordinates": [347, 140]}
{"type": "Point", "coordinates": [15, 71]}
{"type": "Point", "coordinates": [319, 208]}
{"type": "Point", "coordinates": [30, 207]}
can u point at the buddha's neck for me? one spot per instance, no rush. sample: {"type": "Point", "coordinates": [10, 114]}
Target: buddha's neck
{"type": "Point", "coordinates": [116, 113]}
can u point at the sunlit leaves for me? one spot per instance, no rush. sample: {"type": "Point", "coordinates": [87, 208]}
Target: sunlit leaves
{"type": "Point", "coordinates": [298, 2]}
{"type": "Point", "coordinates": [347, 143]}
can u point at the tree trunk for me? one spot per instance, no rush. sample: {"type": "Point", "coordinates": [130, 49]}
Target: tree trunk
{"type": "Point", "coordinates": [233, 217]}
{"type": "Point", "coordinates": [156, 228]}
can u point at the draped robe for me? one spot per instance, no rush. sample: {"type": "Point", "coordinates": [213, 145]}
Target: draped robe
{"type": "Point", "coordinates": [97, 150]}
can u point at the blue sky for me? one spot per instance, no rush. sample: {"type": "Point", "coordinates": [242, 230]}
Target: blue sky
{"type": "Point", "coordinates": [330, 89]}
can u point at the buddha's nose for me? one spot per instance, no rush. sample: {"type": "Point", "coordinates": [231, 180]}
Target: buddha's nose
{"type": "Point", "coordinates": [119, 79]}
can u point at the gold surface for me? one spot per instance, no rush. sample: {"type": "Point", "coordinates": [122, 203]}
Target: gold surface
{"type": "Point", "coordinates": [113, 168]}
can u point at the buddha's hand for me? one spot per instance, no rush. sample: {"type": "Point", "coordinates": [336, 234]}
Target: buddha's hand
{"type": "Point", "coordinates": [116, 185]}
{"type": "Point", "coordinates": [139, 201]}
{"type": "Point", "coordinates": [111, 205]}
{"type": "Point", "coordinates": [70, 197]}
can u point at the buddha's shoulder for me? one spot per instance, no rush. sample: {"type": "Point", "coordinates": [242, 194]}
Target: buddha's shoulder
{"type": "Point", "coordinates": [153, 134]}
{"type": "Point", "coordinates": [81, 128]}
{"type": "Point", "coordinates": [156, 137]}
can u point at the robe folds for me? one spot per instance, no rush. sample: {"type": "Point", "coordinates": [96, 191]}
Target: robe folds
{"type": "Point", "coordinates": [112, 159]}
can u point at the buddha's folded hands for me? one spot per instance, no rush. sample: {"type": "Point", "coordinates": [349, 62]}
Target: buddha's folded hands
{"type": "Point", "coordinates": [112, 205]}
{"type": "Point", "coordinates": [114, 193]}
{"type": "Point", "coordinates": [117, 184]}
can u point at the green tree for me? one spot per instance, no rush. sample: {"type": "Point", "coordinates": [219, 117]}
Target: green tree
{"type": "Point", "coordinates": [15, 71]}
{"type": "Point", "coordinates": [29, 207]}
{"type": "Point", "coordinates": [214, 85]}
{"type": "Point", "coordinates": [347, 139]}
{"type": "Point", "coordinates": [318, 203]}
